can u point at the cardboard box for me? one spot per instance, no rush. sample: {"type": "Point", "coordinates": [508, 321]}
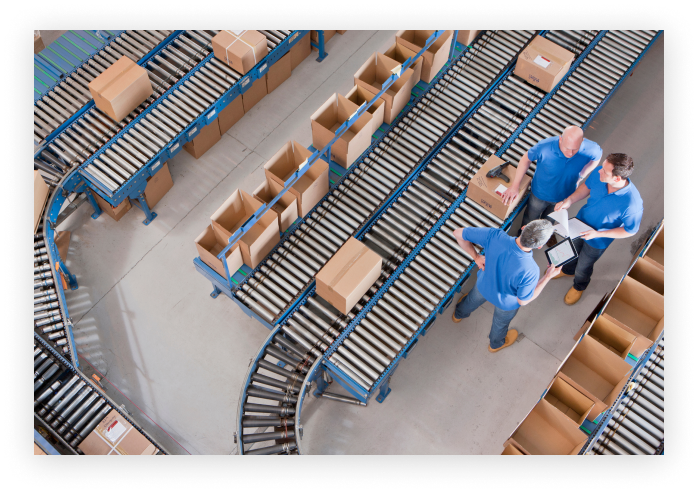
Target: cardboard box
{"type": "Point", "coordinates": [639, 310]}
{"type": "Point", "coordinates": [209, 244]}
{"type": "Point", "coordinates": [543, 63]}
{"type": "Point", "coordinates": [116, 436]}
{"type": "Point", "coordinates": [467, 37]}
{"type": "Point", "coordinates": [347, 276]}
{"type": "Point", "coordinates": [341, 32]}
{"type": "Point", "coordinates": [359, 95]}
{"type": "Point", "coordinates": [596, 372]}
{"type": "Point", "coordinates": [230, 115]}
{"type": "Point", "coordinates": [240, 50]}
{"type": "Point", "coordinates": [279, 72]}
{"type": "Point", "coordinates": [207, 138]}
{"type": "Point", "coordinates": [37, 450]}
{"type": "Point", "coordinates": [40, 197]}
{"type": "Point", "coordinates": [120, 88]}
{"type": "Point", "coordinates": [116, 213]}
{"type": "Point", "coordinates": [401, 54]}
{"type": "Point", "coordinates": [286, 207]}
{"type": "Point", "coordinates": [328, 35]}
{"type": "Point", "coordinates": [311, 187]}
{"type": "Point", "coordinates": [256, 243]}
{"type": "Point", "coordinates": [611, 336]}
{"type": "Point", "coordinates": [374, 72]}
{"type": "Point", "coordinates": [547, 431]}
{"type": "Point", "coordinates": [329, 117]}
{"type": "Point", "coordinates": [62, 241]}
{"type": "Point", "coordinates": [511, 449]}
{"type": "Point", "coordinates": [300, 51]}
{"type": "Point", "coordinates": [569, 401]}
{"type": "Point", "coordinates": [655, 253]}
{"type": "Point", "coordinates": [255, 93]}
{"type": "Point", "coordinates": [38, 44]}
{"type": "Point", "coordinates": [648, 273]}
{"type": "Point", "coordinates": [436, 55]}
{"type": "Point", "coordinates": [158, 185]}
{"type": "Point", "coordinates": [483, 190]}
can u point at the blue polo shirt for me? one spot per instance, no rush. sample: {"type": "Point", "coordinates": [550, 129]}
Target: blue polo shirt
{"type": "Point", "coordinates": [509, 273]}
{"type": "Point", "coordinates": [604, 211]}
{"type": "Point", "coordinates": [556, 176]}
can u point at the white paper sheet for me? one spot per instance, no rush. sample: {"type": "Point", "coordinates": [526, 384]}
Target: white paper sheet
{"type": "Point", "coordinates": [569, 228]}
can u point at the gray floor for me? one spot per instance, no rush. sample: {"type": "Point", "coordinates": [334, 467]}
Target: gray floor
{"type": "Point", "coordinates": [144, 317]}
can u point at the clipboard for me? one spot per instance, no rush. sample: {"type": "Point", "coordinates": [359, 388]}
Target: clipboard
{"type": "Point", "coordinates": [568, 228]}
{"type": "Point", "coordinates": [562, 253]}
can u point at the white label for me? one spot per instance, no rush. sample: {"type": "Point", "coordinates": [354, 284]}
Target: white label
{"type": "Point", "coordinates": [155, 166]}
{"type": "Point", "coordinates": [192, 132]}
{"type": "Point", "coordinates": [174, 147]}
{"type": "Point", "coordinates": [542, 61]}
{"type": "Point", "coordinates": [245, 82]}
{"type": "Point", "coordinates": [500, 190]}
{"type": "Point", "coordinates": [263, 68]}
{"type": "Point", "coordinates": [211, 115]}
{"type": "Point", "coordinates": [114, 431]}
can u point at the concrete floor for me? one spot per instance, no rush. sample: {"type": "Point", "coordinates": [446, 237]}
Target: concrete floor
{"type": "Point", "coordinates": [144, 317]}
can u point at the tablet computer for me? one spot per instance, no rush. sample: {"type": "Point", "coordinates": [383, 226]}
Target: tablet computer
{"type": "Point", "coordinates": [561, 253]}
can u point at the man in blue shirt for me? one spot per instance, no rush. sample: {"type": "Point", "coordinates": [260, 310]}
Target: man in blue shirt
{"type": "Point", "coordinates": [614, 210]}
{"type": "Point", "coordinates": [511, 278]}
{"type": "Point", "coordinates": [562, 163]}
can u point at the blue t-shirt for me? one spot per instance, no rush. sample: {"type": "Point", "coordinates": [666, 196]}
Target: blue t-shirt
{"type": "Point", "coordinates": [556, 176]}
{"type": "Point", "coordinates": [509, 273]}
{"type": "Point", "coordinates": [604, 211]}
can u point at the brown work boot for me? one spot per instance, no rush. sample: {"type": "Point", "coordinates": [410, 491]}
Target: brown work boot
{"type": "Point", "coordinates": [572, 296]}
{"type": "Point", "coordinates": [508, 340]}
{"type": "Point", "coordinates": [562, 274]}
{"type": "Point", "coordinates": [456, 320]}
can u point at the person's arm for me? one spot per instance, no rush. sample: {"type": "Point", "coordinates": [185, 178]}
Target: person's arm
{"type": "Point", "coordinates": [618, 232]}
{"type": "Point", "coordinates": [588, 168]}
{"type": "Point", "coordinates": [551, 272]}
{"type": "Point", "coordinates": [513, 190]}
{"type": "Point", "coordinates": [469, 248]}
{"type": "Point", "coordinates": [581, 193]}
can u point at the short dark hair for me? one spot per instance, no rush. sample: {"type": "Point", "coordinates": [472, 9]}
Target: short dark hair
{"type": "Point", "coordinates": [622, 164]}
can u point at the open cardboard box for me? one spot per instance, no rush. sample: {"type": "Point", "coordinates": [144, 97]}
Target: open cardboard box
{"type": "Point", "coordinates": [435, 56]}
{"type": "Point", "coordinates": [571, 402]}
{"type": "Point", "coordinates": [547, 431]}
{"type": "Point", "coordinates": [639, 310]}
{"type": "Point", "coordinates": [358, 95]}
{"type": "Point", "coordinates": [286, 207]}
{"type": "Point", "coordinates": [466, 37]}
{"type": "Point", "coordinates": [329, 117]}
{"type": "Point", "coordinates": [648, 273]}
{"type": "Point", "coordinates": [655, 253]}
{"type": "Point", "coordinates": [483, 190]}
{"type": "Point", "coordinates": [596, 372]}
{"type": "Point", "coordinates": [610, 335]}
{"type": "Point", "coordinates": [374, 72]}
{"type": "Point", "coordinates": [511, 449]}
{"type": "Point", "coordinates": [311, 186]}
{"type": "Point", "coordinates": [401, 53]}
{"type": "Point", "coordinates": [209, 244]}
{"type": "Point", "coordinates": [41, 194]}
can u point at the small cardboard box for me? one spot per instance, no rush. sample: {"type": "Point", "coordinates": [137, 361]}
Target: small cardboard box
{"type": "Point", "coordinates": [207, 138]}
{"type": "Point", "coordinates": [639, 310]}
{"type": "Point", "coordinates": [300, 51]}
{"type": "Point", "coordinates": [610, 335]}
{"type": "Point", "coordinates": [158, 185]}
{"type": "Point", "coordinates": [279, 72]}
{"type": "Point", "coordinates": [467, 37]}
{"type": "Point", "coordinates": [374, 72]}
{"type": "Point", "coordinates": [596, 372]}
{"type": "Point", "coordinates": [255, 93]}
{"type": "Point", "coordinates": [120, 88]}
{"type": "Point", "coordinates": [347, 276]}
{"type": "Point", "coordinates": [258, 241]}
{"type": "Point", "coordinates": [286, 207]}
{"type": "Point", "coordinates": [328, 35]}
{"type": "Point", "coordinates": [116, 213]}
{"type": "Point", "coordinates": [40, 198]}
{"type": "Point", "coordinates": [655, 253]}
{"type": "Point", "coordinates": [240, 50]}
{"type": "Point", "coordinates": [209, 244]}
{"type": "Point", "coordinates": [116, 436]}
{"type": "Point", "coordinates": [38, 44]}
{"type": "Point", "coordinates": [329, 117]}
{"type": "Point", "coordinates": [649, 274]}
{"type": "Point", "coordinates": [569, 400]}
{"type": "Point", "coordinates": [547, 431]}
{"type": "Point", "coordinates": [341, 32]}
{"type": "Point", "coordinates": [401, 54]}
{"type": "Point", "coordinates": [230, 115]}
{"type": "Point", "coordinates": [483, 190]}
{"type": "Point", "coordinates": [543, 63]}
{"type": "Point", "coordinates": [436, 55]}
{"type": "Point", "coordinates": [359, 95]}
{"type": "Point", "coordinates": [311, 187]}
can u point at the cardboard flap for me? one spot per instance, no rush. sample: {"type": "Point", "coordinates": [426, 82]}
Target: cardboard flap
{"type": "Point", "coordinates": [547, 431]}
{"type": "Point", "coordinates": [569, 401]}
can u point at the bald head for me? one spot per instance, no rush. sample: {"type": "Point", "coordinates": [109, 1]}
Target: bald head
{"type": "Point", "coordinates": [571, 140]}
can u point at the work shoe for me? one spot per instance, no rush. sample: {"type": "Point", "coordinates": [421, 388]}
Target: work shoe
{"type": "Point", "coordinates": [456, 320]}
{"type": "Point", "coordinates": [562, 274]}
{"type": "Point", "coordinates": [572, 296]}
{"type": "Point", "coordinates": [510, 339]}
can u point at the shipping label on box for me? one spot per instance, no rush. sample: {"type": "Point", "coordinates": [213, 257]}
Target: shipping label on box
{"type": "Point", "coordinates": [543, 63]}
{"type": "Point", "coordinates": [487, 192]}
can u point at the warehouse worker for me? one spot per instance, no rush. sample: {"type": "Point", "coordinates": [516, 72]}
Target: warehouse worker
{"type": "Point", "coordinates": [511, 278]}
{"type": "Point", "coordinates": [562, 163]}
{"type": "Point", "coordinates": [614, 210]}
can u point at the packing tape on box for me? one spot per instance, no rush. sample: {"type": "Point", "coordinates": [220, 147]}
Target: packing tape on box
{"type": "Point", "coordinates": [239, 38]}
{"type": "Point", "coordinates": [338, 277]}
{"type": "Point", "coordinates": [115, 447]}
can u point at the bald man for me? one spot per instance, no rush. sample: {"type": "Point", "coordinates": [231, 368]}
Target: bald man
{"type": "Point", "coordinates": [562, 163]}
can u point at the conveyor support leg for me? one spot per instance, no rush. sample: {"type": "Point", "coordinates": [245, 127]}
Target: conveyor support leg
{"type": "Point", "coordinates": [143, 204]}
{"type": "Point", "coordinates": [93, 202]}
{"type": "Point", "coordinates": [215, 292]}
{"type": "Point", "coordinates": [320, 46]}
{"type": "Point", "coordinates": [384, 390]}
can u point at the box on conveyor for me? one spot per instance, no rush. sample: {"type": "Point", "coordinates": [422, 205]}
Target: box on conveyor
{"type": "Point", "coordinates": [543, 63]}
{"type": "Point", "coordinates": [467, 37]}
{"type": "Point", "coordinates": [401, 54]}
{"type": "Point", "coordinates": [374, 72]}
{"type": "Point", "coordinates": [40, 197]}
{"type": "Point", "coordinates": [487, 192]}
{"type": "Point", "coordinates": [360, 95]}
{"type": "Point", "coordinates": [286, 207]}
{"type": "Point", "coordinates": [435, 56]}
{"type": "Point", "coordinates": [209, 244]}
{"type": "Point", "coordinates": [116, 436]}
{"type": "Point", "coordinates": [120, 88]}
{"type": "Point", "coordinates": [240, 49]}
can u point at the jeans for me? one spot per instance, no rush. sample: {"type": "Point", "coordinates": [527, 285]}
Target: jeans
{"type": "Point", "coordinates": [583, 266]}
{"type": "Point", "coordinates": [536, 209]}
{"type": "Point", "coordinates": [500, 319]}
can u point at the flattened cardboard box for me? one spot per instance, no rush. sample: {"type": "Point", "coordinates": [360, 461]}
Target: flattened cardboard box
{"type": "Point", "coordinates": [209, 244]}
{"type": "Point", "coordinates": [230, 115]}
{"type": "Point", "coordinates": [483, 190]}
{"type": "Point", "coordinates": [40, 198]}
{"type": "Point", "coordinates": [241, 49]}
{"type": "Point", "coordinates": [543, 63]}
{"type": "Point", "coordinates": [278, 73]}
{"type": "Point", "coordinates": [116, 436]}
{"type": "Point", "coordinates": [116, 213]}
{"type": "Point", "coordinates": [300, 51]}
{"type": "Point", "coordinates": [255, 93]}
{"type": "Point", "coordinates": [207, 138]}
{"type": "Point", "coordinates": [359, 95]}
{"type": "Point", "coordinates": [374, 72]}
{"type": "Point", "coordinates": [347, 276]}
{"type": "Point", "coordinates": [286, 207]}
{"type": "Point", "coordinates": [158, 185]}
{"type": "Point", "coordinates": [120, 88]}
{"type": "Point", "coordinates": [435, 56]}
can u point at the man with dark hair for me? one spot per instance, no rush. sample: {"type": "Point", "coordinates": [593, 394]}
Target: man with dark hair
{"type": "Point", "coordinates": [511, 278]}
{"type": "Point", "coordinates": [614, 210]}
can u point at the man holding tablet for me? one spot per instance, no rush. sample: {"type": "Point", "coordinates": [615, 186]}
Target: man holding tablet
{"type": "Point", "coordinates": [614, 210]}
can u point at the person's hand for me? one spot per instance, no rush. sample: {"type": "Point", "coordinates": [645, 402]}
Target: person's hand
{"type": "Point", "coordinates": [589, 235]}
{"type": "Point", "coordinates": [480, 261]}
{"type": "Point", "coordinates": [552, 271]}
{"type": "Point", "coordinates": [510, 195]}
{"type": "Point", "coordinates": [565, 204]}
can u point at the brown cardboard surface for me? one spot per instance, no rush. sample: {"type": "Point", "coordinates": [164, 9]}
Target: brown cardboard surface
{"type": "Point", "coordinates": [37, 450]}
{"type": "Point", "coordinates": [62, 241]}
{"type": "Point", "coordinates": [209, 244]}
{"type": "Point", "coordinates": [300, 51]}
{"type": "Point", "coordinates": [40, 198]}
{"type": "Point", "coordinates": [636, 306]}
{"type": "Point", "coordinates": [656, 250]}
{"type": "Point", "coordinates": [286, 207]}
{"type": "Point", "coordinates": [359, 95]}
{"type": "Point", "coordinates": [158, 185]}
{"type": "Point", "coordinates": [510, 449]}
{"type": "Point", "coordinates": [612, 336]}
{"type": "Point", "coordinates": [649, 274]}
{"type": "Point", "coordinates": [329, 117]}
{"type": "Point", "coordinates": [374, 72]}
{"type": "Point", "coordinates": [547, 431]}
{"type": "Point", "coordinates": [569, 401]}
{"type": "Point", "coordinates": [255, 93]}
{"type": "Point", "coordinates": [543, 78]}
{"type": "Point", "coordinates": [116, 213]}
{"type": "Point", "coordinates": [230, 115]}
{"type": "Point", "coordinates": [327, 35]}
{"type": "Point", "coordinates": [341, 32]}
{"type": "Point", "coordinates": [120, 88]}
{"type": "Point", "coordinates": [401, 54]}
{"type": "Point", "coordinates": [482, 189]}
{"type": "Point", "coordinates": [130, 442]}
{"type": "Point", "coordinates": [435, 57]}
{"type": "Point", "coordinates": [207, 138]}
{"type": "Point", "coordinates": [240, 50]}
{"type": "Point", "coordinates": [515, 446]}
{"type": "Point", "coordinates": [279, 72]}
{"type": "Point", "coordinates": [347, 276]}
{"type": "Point", "coordinates": [466, 37]}
{"type": "Point", "coordinates": [311, 187]}
{"type": "Point", "coordinates": [38, 46]}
